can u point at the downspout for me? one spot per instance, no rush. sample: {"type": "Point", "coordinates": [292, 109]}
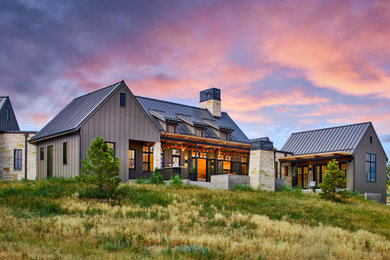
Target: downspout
{"type": "Point", "coordinates": [77, 133]}
{"type": "Point", "coordinates": [354, 188]}
{"type": "Point", "coordinates": [25, 155]}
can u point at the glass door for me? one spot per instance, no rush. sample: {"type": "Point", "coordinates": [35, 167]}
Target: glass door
{"type": "Point", "coordinates": [49, 169]}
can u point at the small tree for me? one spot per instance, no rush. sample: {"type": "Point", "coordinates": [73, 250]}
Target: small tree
{"type": "Point", "coordinates": [334, 179]}
{"type": "Point", "coordinates": [100, 172]}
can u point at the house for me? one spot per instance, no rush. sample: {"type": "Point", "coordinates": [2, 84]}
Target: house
{"type": "Point", "coordinates": [145, 134]}
{"type": "Point", "coordinates": [356, 147]}
{"type": "Point", "coordinates": [17, 156]}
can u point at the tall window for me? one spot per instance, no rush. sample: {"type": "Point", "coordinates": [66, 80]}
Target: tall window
{"type": "Point", "coordinates": [122, 99]}
{"type": "Point", "coordinates": [65, 153]}
{"type": "Point", "coordinates": [132, 162]}
{"type": "Point", "coordinates": [147, 158]}
{"type": "Point", "coordinates": [112, 146]}
{"type": "Point", "coordinates": [199, 132]}
{"type": "Point", "coordinates": [224, 164]}
{"type": "Point", "coordinates": [171, 128]}
{"type": "Point", "coordinates": [41, 154]}
{"type": "Point", "coordinates": [370, 167]}
{"type": "Point", "coordinates": [285, 170]}
{"type": "Point", "coordinates": [244, 165]}
{"type": "Point", "coordinates": [276, 170]}
{"type": "Point", "coordinates": [17, 159]}
{"type": "Point", "coordinates": [162, 160]}
{"type": "Point", "coordinates": [225, 136]}
{"type": "Point", "coordinates": [176, 157]}
{"type": "Point", "coordinates": [7, 114]}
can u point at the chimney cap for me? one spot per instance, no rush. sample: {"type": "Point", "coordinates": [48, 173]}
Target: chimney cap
{"type": "Point", "coordinates": [211, 93]}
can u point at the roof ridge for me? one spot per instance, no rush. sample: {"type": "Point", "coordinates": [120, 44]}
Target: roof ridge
{"type": "Point", "coordinates": [333, 127]}
{"type": "Point", "coordinates": [100, 89]}
{"type": "Point", "coordinates": [171, 102]}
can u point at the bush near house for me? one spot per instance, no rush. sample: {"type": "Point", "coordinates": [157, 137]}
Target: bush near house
{"type": "Point", "coordinates": [46, 219]}
{"type": "Point", "coordinates": [99, 173]}
{"type": "Point", "coordinates": [333, 180]}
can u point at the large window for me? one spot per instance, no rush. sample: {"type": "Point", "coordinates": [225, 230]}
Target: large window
{"type": "Point", "coordinates": [122, 99]}
{"type": "Point", "coordinates": [176, 157]}
{"type": "Point", "coordinates": [147, 158]}
{"type": "Point", "coordinates": [17, 159]}
{"type": "Point", "coordinates": [65, 153]}
{"type": "Point", "coordinates": [224, 164]}
{"type": "Point", "coordinates": [171, 128]}
{"type": "Point", "coordinates": [244, 165]}
{"type": "Point", "coordinates": [370, 167]}
{"type": "Point", "coordinates": [132, 161]}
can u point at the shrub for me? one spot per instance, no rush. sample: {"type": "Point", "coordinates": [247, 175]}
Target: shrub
{"type": "Point", "coordinates": [241, 187]}
{"type": "Point", "coordinates": [334, 179]}
{"type": "Point", "coordinates": [156, 178]}
{"type": "Point", "coordinates": [175, 181]}
{"type": "Point", "coordinates": [100, 172]}
{"type": "Point", "coordinates": [141, 180]}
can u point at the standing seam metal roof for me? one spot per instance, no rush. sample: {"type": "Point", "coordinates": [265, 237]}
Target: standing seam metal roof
{"type": "Point", "coordinates": [195, 114]}
{"type": "Point", "coordinates": [70, 118]}
{"type": "Point", "coordinates": [341, 138]}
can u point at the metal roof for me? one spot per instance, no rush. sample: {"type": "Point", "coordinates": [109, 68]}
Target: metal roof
{"type": "Point", "coordinates": [264, 139]}
{"type": "Point", "coordinates": [341, 138]}
{"type": "Point", "coordinates": [196, 115]}
{"type": "Point", "coordinates": [71, 117]}
{"type": "Point", "coordinates": [2, 101]}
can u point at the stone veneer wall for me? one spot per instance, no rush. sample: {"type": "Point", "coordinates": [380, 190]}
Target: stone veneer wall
{"type": "Point", "coordinates": [287, 178]}
{"type": "Point", "coordinates": [261, 170]}
{"type": "Point", "coordinates": [9, 142]}
{"type": "Point", "coordinates": [156, 155]}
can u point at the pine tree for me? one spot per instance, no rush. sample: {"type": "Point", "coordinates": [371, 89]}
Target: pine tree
{"type": "Point", "coordinates": [100, 172]}
{"type": "Point", "coordinates": [334, 179]}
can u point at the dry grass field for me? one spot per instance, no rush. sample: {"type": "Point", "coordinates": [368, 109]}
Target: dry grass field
{"type": "Point", "coordinates": [47, 220]}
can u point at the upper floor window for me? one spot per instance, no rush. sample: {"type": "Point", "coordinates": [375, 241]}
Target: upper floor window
{"type": "Point", "coordinates": [7, 114]}
{"type": "Point", "coordinates": [171, 128]}
{"type": "Point", "coordinates": [370, 167]}
{"type": "Point", "coordinates": [122, 99]}
{"type": "Point", "coordinates": [65, 153]}
{"type": "Point", "coordinates": [225, 136]}
{"type": "Point", "coordinates": [17, 159]}
{"type": "Point", "coordinates": [199, 132]}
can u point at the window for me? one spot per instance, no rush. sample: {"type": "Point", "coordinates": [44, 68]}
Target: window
{"type": "Point", "coordinates": [244, 165]}
{"type": "Point", "coordinates": [112, 146]}
{"type": "Point", "coordinates": [276, 170]}
{"type": "Point", "coordinates": [171, 128]}
{"type": "Point", "coordinates": [370, 167]}
{"type": "Point", "coordinates": [147, 158]}
{"type": "Point", "coordinates": [371, 139]}
{"type": "Point", "coordinates": [122, 99]}
{"type": "Point", "coordinates": [199, 132]}
{"type": "Point", "coordinates": [17, 159]}
{"type": "Point", "coordinates": [162, 160]}
{"type": "Point", "coordinates": [65, 153]}
{"type": "Point", "coordinates": [176, 157]}
{"type": "Point", "coordinates": [132, 159]}
{"type": "Point", "coordinates": [225, 136]}
{"type": "Point", "coordinates": [224, 164]}
{"type": "Point", "coordinates": [285, 170]}
{"type": "Point", "coordinates": [7, 114]}
{"type": "Point", "coordinates": [41, 154]}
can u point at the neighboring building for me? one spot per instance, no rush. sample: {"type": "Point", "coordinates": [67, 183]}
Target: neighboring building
{"type": "Point", "coordinates": [17, 156]}
{"type": "Point", "coordinates": [356, 147]}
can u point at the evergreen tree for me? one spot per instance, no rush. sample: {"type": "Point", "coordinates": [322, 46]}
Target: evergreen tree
{"type": "Point", "coordinates": [334, 179]}
{"type": "Point", "coordinates": [100, 172]}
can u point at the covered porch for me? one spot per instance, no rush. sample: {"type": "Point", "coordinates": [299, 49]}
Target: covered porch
{"type": "Point", "coordinates": [300, 170]}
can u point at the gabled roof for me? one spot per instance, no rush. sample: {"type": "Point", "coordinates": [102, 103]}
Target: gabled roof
{"type": "Point", "coordinates": [261, 139]}
{"type": "Point", "coordinates": [12, 124]}
{"type": "Point", "coordinates": [342, 138]}
{"type": "Point", "coordinates": [74, 114]}
{"type": "Point", "coordinates": [158, 109]}
{"type": "Point", "coordinates": [2, 101]}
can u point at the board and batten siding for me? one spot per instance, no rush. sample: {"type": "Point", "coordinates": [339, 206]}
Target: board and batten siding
{"type": "Point", "coordinates": [360, 165]}
{"type": "Point", "coordinates": [119, 125]}
{"type": "Point", "coordinates": [11, 124]}
{"type": "Point", "coordinates": [69, 170]}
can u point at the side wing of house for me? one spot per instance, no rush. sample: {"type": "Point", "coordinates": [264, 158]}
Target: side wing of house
{"type": "Point", "coordinates": [8, 120]}
{"type": "Point", "coordinates": [370, 145]}
{"type": "Point", "coordinates": [119, 124]}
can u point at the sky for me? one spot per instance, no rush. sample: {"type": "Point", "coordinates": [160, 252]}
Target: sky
{"type": "Point", "coordinates": [282, 66]}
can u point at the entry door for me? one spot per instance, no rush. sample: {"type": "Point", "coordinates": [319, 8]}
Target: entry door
{"type": "Point", "coordinates": [210, 168]}
{"type": "Point", "coordinates": [201, 169]}
{"type": "Point", "coordinates": [49, 170]}
{"type": "Point", "coordinates": [303, 177]}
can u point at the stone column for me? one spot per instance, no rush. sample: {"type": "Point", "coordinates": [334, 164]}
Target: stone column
{"type": "Point", "coordinates": [261, 170]}
{"type": "Point", "coordinates": [156, 155]}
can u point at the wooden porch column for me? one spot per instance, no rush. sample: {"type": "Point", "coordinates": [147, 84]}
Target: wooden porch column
{"type": "Point", "coordinates": [196, 161]}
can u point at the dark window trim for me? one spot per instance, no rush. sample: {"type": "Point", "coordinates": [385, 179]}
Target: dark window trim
{"type": "Point", "coordinates": [148, 162]}
{"type": "Point", "coordinates": [17, 160]}
{"type": "Point", "coordinates": [42, 153]}
{"type": "Point", "coordinates": [122, 99]}
{"type": "Point", "coordinates": [370, 162]}
{"type": "Point", "coordinates": [134, 159]}
{"type": "Point", "coordinates": [113, 146]}
{"type": "Point", "coordinates": [65, 153]}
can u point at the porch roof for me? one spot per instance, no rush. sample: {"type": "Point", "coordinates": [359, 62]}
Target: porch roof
{"type": "Point", "coordinates": [315, 156]}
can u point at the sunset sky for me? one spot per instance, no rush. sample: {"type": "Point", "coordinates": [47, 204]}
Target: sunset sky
{"type": "Point", "coordinates": [282, 66]}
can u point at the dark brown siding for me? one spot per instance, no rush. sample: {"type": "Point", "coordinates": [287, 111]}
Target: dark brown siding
{"type": "Point", "coordinates": [11, 124]}
{"type": "Point", "coordinates": [360, 165]}
{"type": "Point", "coordinates": [119, 124]}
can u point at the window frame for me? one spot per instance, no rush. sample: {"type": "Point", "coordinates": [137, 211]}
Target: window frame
{"type": "Point", "coordinates": [149, 155]}
{"type": "Point", "coordinates": [132, 166]}
{"type": "Point", "coordinates": [7, 114]}
{"type": "Point", "coordinates": [108, 143]}
{"type": "Point", "coordinates": [122, 99]}
{"type": "Point", "coordinates": [65, 153]}
{"type": "Point", "coordinates": [201, 132]}
{"type": "Point", "coordinates": [176, 156]}
{"type": "Point", "coordinates": [42, 153]}
{"type": "Point", "coordinates": [18, 161]}
{"type": "Point", "coordinates": [173, 126]}
{"type": "Point", "coordinates": [371, 170]}
{"type": "Point", "coordinates": [225, 135]}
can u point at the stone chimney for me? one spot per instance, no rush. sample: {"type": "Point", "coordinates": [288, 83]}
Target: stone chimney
{"type": "Point", "coordinates": [211, 100]}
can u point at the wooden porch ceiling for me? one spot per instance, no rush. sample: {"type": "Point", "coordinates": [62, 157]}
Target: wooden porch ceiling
{"type": "Point", "coordinates": [315, 156]}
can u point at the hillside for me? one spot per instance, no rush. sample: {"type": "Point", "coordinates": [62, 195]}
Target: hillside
{"type": "Point", "coordinates": [46, 219]}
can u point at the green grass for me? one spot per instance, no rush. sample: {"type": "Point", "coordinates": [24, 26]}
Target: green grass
{"type": "Point", "coordinates": [153, 220]}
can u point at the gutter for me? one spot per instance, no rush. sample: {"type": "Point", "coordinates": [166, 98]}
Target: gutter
{"type": "Point", "coordinates": [25, 155]}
